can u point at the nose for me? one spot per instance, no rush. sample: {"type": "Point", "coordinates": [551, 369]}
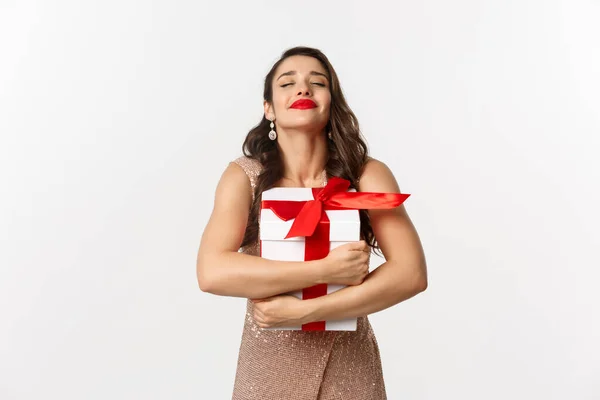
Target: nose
{"type": "Point", "coordinates": [303, 89]}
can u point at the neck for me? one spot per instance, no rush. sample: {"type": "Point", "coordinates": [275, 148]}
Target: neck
{"type": "Point", "coordinates": [304, 158]}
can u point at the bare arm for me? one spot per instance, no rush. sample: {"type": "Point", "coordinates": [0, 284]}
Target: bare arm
{"type": "Point", "coordinates": [223, 271]}
{"type": "Point", "coordinates": [402, 276]}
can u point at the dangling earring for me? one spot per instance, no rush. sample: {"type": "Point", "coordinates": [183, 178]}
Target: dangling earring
{"type": "Point", "coordinates": [329, 135]}
{"type": "Point", "coordinates": [272, 133]}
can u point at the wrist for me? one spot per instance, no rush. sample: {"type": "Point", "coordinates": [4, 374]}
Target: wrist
{"type": "Point", "coordinates": [309, 310]}
{"type": "Point", "coordinates": [320, 269]}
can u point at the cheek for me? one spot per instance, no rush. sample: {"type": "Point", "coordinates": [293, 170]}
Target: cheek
{"type": "Point", "coordinates": [326, 109]}
{"type": "Point", "coordinates": [326, 101]}
{"type": "Point", "coordinates": [279, 102]}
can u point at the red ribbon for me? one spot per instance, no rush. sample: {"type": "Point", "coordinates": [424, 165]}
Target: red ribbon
{"type": "Point", "coordinates": [312, 222]}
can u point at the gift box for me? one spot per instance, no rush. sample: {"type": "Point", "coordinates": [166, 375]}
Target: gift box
{"type": "Point", "coordinates": [304, 224]}
{"type": "Point", "coordinates": [340, 226]}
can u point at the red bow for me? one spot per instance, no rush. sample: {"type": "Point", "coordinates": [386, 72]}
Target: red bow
{"type": "Point", "coordinates": [334, 196]}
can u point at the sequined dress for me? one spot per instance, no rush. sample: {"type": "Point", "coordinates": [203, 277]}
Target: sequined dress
{"type": "Point", "coordinates": [300, 365]}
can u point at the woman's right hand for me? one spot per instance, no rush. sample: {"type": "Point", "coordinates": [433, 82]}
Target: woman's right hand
{"type": "Point", "coordinates": [347, 264]}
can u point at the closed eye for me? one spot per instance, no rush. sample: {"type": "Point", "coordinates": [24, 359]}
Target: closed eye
{"type": "Point", "coordinates": [314, 83]}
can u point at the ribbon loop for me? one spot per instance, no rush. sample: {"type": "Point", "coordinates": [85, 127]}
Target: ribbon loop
{"type": "Point", "coordinates": [334, 185]}
{"type": "Point", "coordinates": [307, 219]}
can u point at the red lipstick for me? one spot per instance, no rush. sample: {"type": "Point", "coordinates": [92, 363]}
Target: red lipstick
{"type": "Point", "coordinates": [303, 104]}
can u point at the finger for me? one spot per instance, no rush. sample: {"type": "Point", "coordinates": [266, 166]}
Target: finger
{"type": "Point", "coordinates": [262, 322]}
{"type": "Point", "coordinates": [357, 245]}
{"type": "Point", "coordinates": [258, 318]}
{"type": "Point", "coordinates": [258, 312]}
{"type": "Point", "coordinates": [257, 300]}
{"type": "Point", "coordinates": [364, 248]}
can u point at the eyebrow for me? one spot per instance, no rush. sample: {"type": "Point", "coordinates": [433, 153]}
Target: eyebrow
{"type": "Point", "coordinates": [294, 73]}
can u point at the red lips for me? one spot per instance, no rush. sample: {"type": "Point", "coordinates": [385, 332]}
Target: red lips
{"type": "Point", "coordinates": [303, 104]}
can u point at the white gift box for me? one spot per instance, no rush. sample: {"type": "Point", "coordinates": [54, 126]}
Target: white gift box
{"type": "Point", "coordinates": [344, 228]}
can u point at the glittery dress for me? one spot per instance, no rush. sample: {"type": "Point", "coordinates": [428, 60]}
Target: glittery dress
{"type": "Point", "coordinates": [301, 365]}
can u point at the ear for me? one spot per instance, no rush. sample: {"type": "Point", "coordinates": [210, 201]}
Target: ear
{"type": "Point", "coordinates": [269, 114]}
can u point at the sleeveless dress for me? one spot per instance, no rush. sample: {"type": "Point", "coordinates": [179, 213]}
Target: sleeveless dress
{"type": "Point", "coordinates": [301, 365]}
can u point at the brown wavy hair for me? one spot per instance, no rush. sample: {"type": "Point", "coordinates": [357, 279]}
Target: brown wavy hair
{"type": "Point", "coordinates": [348, 152]}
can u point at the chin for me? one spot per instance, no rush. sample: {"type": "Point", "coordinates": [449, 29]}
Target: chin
{"type": "Point", "coordinates": [308, 123]}
{"type": "Point", "coordinates": [308, 128]}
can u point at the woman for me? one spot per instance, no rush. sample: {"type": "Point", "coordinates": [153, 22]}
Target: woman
{"type": "Point", "coordinates": [307, 135]}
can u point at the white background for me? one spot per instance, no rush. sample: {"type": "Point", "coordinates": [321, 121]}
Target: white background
{"type": "Point", "coordinates": [118, 117]}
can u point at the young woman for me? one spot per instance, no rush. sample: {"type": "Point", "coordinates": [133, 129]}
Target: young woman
{"type": "Point", "coordinates": [307, 135]}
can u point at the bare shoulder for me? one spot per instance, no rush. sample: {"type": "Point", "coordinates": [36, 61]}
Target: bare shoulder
{"type": "Point", "coordinates": [227, 223]}
{"type": "Point", "coordinates": [377, 177]}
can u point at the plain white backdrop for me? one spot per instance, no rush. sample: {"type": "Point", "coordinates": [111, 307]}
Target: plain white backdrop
{"type": "Point", "coordinates": [117, 119]}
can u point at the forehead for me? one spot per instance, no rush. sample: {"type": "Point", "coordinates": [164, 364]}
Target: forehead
{"type": "Point", "coordinates": [302, 64]}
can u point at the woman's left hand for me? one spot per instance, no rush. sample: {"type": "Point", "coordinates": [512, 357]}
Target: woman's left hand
{"type": "Point", "coordinates": [279, 311]}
